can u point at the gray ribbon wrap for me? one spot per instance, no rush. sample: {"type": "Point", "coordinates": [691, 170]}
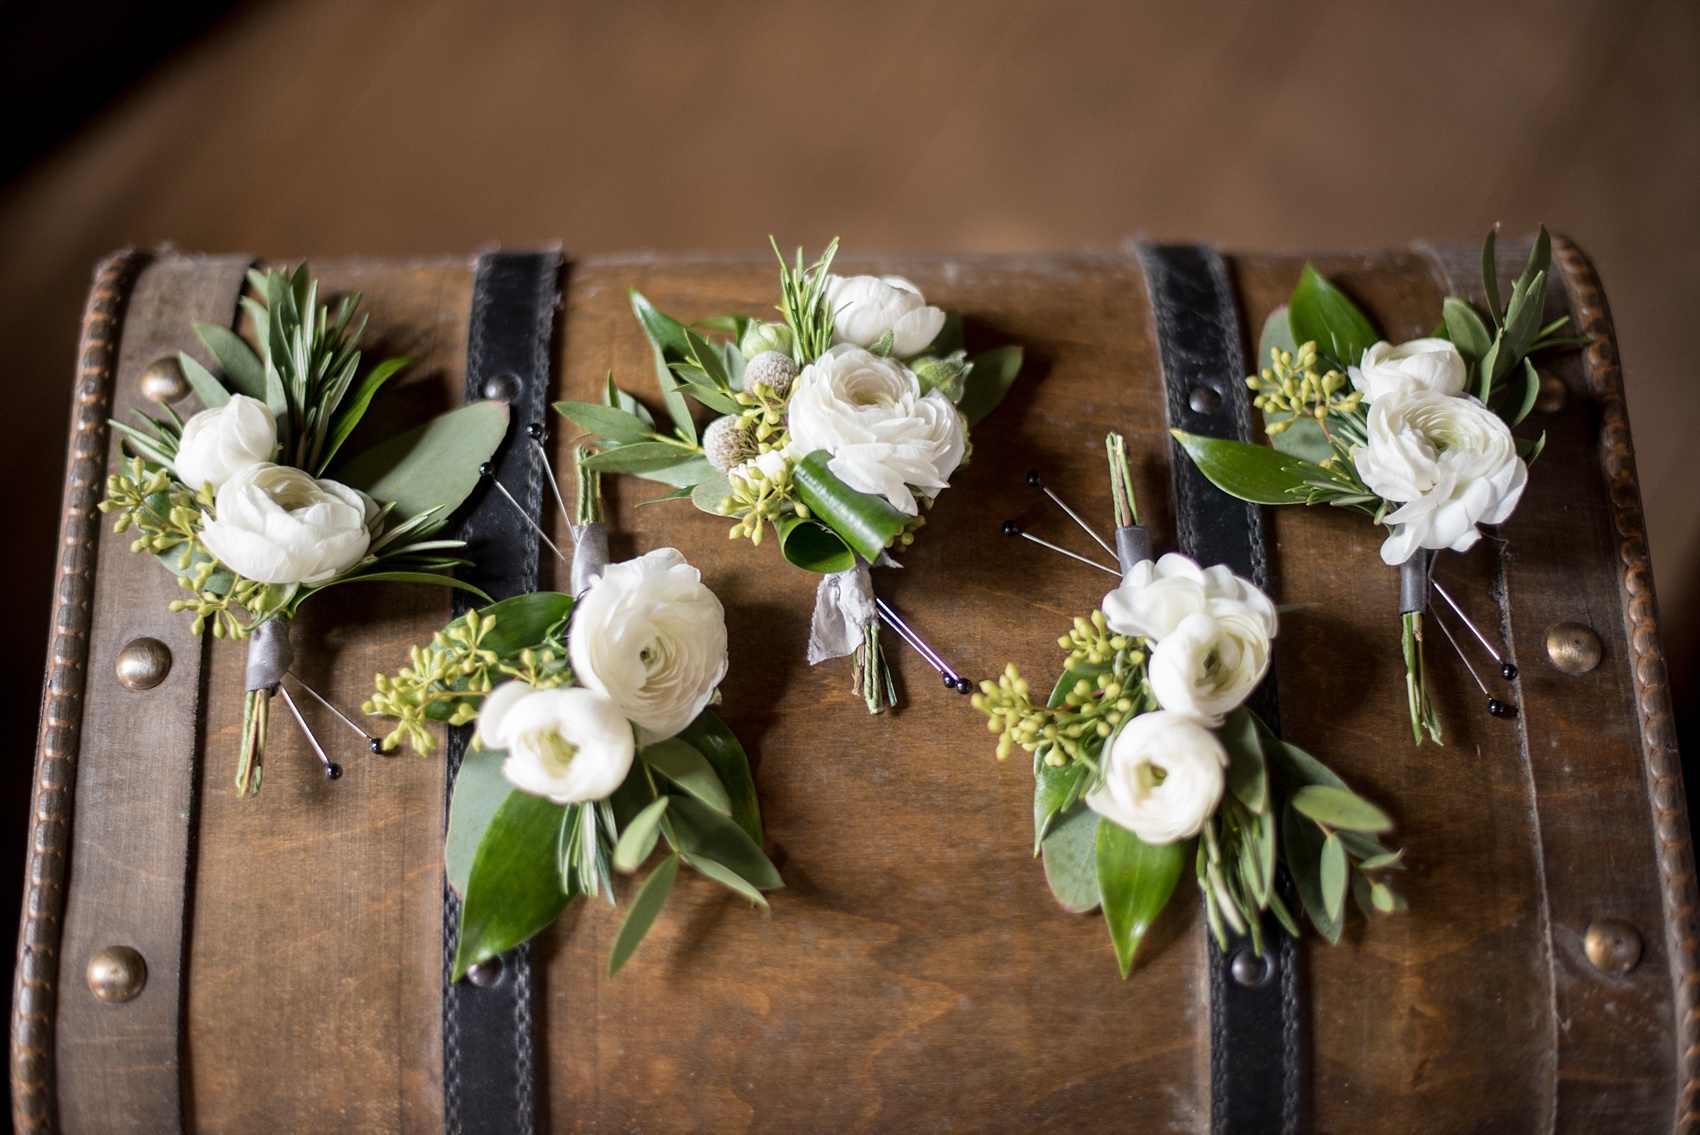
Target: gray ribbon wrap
{"type": "Point", "coordinates": [844, 604]}
{"type": "Point", "coordinates": [269, 654]}
{"type": "Point", "coordinates": [590, 554]}
{"type": "Point", "coordinates": [1133, 546]}
{"type": "Point", "coordinates": [1413, 583]}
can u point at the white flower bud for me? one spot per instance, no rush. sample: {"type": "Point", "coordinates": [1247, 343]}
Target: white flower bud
{"type": "Point", "coordinates": [571, 745]}
{"type": "Point", "coordinates": [1163, 778]}
{"type": "Point", "coordinates": [865, 308]}
{"type": "Point", "coordinates": [652, 638]}
{"type": "Point", "coordinates": [276, 524]}
{"type": "Point", "coordinates": [219, 443]}
{"type": "Point", "coordinates": [1420, 364]}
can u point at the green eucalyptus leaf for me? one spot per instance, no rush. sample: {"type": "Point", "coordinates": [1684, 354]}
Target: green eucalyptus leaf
{"type": "Point", "coordinates": [674, 398]}
{"type": "Point", "coordinates": [1071, 860]}
{"type": "Point", "coordinates": [480, 790]}
{"type": "Point", "coordinates": [704, 833]}
{"type": "Point", "coordinates": [726, 877]}
{"type": "Point", "coordinates": [1292, 764]}
{"type": "Point", "coordinates": [1248, 779]}
{"type": "Point", "coordinates": [606, 422]}
{"type": "Point", "coordinates": [708, 360]}
{"type": "Point", "coordinates": [243, 370]}
{"type": "Point", "coordinates": [1387, 859]}
{"type": "Point", "coordinates": [1466, 329]}
{"type": "Point", "coordinates": [201, 380]}
{"type": "Point", "coordinates": [989, 378]}
{"type": "Point", "coordinates": [708, 493]}
{"type": "Point", "coordinates": [813, 546]}
{"type": "Point", "coordinates": [686, 474]}
{"type": "Point", "coordinates": [646, 904]}
{"type": "Point", "coordinates": [640, 457]}
{"type": "Point", "coordinates": [514, 888]}
{"type": "Point", "coordinates": [1054, 791]}
{"type": "Point", "coordinates": [1381, 897]}
{"type": "Point", "coordinates": [1252, 473]}
{"type": "Point", "coordinates": [618, 399]}
{"type": "Point", "coordinates": [525, 620]}
{"type": "Point", "coordinates": [711, 396]}
{"type": "Point", "coordinates": [1321, 313]}
{"type": "Point", "coordinates": [1135, 882]}
{"type": "Point", "coordinates": [1333, 877]}
{"type": "Point", "coordinates": [1301, 847]}
{"type": "Point", "coordinates": [433, 466]}
{"type": "Point", "coordinates": [867, 523]}
{"type": "Point", "coordinates": [1340, 808]}
{"type": "Point", "coordinates": [637, 838]}
{"type": "Point", "coordinates": [711, 737]}
{"type": "Point", "coordinates": [680, 763]}
{"type": "Point", "coordinates": [1277, 335]}
{"type": "Point", "coordinates": [1520, 398]}
{"type": "Point", "coordinates": [1303, 438]}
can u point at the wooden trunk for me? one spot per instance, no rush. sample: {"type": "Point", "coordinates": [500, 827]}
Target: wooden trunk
{"type": "Point", "coordinates": [915, 973]}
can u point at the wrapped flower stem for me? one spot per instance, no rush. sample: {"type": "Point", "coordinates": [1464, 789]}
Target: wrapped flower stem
{"type": "Point", "coordinates": [1413, 600]}
{"type": "Point", "coordinates": [269, 657]}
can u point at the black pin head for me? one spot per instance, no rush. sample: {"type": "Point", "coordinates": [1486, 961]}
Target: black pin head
{"type": "Point", "coordinates": [1011, 528]}
{"type": "Point", "coordinates": [375, 744]}
{"type": "Point", "coordinates": [1497, 708]}
{"type": "Point", "coordinates": [333, 771]}
{"type": "Point", "coordinates": [949, 682]}
{"type": "Point", "coordinates": [534, 431]}
{"type": "Point", "coordinates": [1034, 479]}
{"type": "Point", "coordinates": [487, 470]}
{"type": "Point", "coordinates": [964, 686]}
{"type": "Point", "coordinates": [1508, 671]}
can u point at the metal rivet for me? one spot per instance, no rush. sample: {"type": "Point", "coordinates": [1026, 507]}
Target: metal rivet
{"type": "Point", "coordinates": [504, 387]}
{"type": "Point", "coordinates": [1204, 400]}
{"type": "Point", "coordinates": [163, 381]}
{"type": "Point", "coordinates": [143, 664]}
{"type": "Point", "coordinates": [1553, 393]}
{"type": "Point", "coordinates": [486, 973]}
{"type": "Point", "coordinates": [1249, 967]}
{"type": "Point", "coordinates": [1573, 648]}
{"type": "Point", "coordinates": [117, 974]}
{"type": "Point", "coordinates": [1612, 945]}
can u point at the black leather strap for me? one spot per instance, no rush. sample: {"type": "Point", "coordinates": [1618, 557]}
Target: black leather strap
{"type": "Point", "coordinates": [1255, 1050]}
{"type": "Point", "coordinates": [489, 1086]}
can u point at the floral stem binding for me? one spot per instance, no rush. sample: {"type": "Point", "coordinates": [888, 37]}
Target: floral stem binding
{"type": "Point", "coordinates": [837, 426]}
{"type": "Point", "coordinates": [236, 501]}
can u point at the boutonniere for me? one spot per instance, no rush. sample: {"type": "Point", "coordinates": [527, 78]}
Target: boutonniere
{"type": "Point", "coordinates": [1417, 435]}
{"type": "Point", "coordinates": [594, 744]}
{"type": "Point", "coordinates": [1146, 758]}
{"type": "Point", "coordinates": [256, 506]}
{"type": "Point", "coordinates": [835, 430]}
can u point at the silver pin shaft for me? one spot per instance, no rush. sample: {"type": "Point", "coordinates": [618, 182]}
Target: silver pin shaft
{"type": "Point", "coordinates": [909, 636]}
{"type": "Point", "coordinates": [1069, 554]}
{"type": "Point", "coordinates": [554, 485]}
{"type": "Point", "coordinates": [332, 769]}
{"type": "Point", "coordinates": [1075, 516]}
{"type": "Point", "coordinates": [1442, 625]}
{"type": "Point", "coordinates": [542, 535]}
{"type": "Point", "coordinates": [1459, 611]}
{"type": "Point", "coordinates": [330, 705]}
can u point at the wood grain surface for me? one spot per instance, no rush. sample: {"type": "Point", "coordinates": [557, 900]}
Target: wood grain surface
{"type": "Point", "coordinates": [915, 973]}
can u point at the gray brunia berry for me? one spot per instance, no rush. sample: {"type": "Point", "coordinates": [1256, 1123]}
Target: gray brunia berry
{"type": "Point", "coordinates": [773, 370]}
{"type": "Point", "coordinates": [728, 443]}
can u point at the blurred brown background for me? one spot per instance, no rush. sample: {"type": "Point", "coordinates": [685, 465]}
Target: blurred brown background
{"type": "Point", "coordinates": [405, 127]}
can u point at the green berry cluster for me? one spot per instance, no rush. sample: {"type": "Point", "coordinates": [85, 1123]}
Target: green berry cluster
{"type": "Point", "coordinates": [448, 678]}
{"type": "Point", "coordinates": [1109, 686]}
{"type": "Point", "coordinates": [1296, 385]}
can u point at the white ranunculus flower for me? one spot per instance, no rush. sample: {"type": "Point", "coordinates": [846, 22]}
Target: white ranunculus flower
{"type": "Point", "coordinates": [1163, 777]}
{"type": "Point", "coordinates": [864, 308]}
{"type": "Point", "coordinates": [276, 524]}
{"type": "Point", "coordinates": [571, 744]}
{"type": "Point", "coordinates": [219, 443]}
{"type": "Point", "coordinates": [1211, 662]}
{"type": "Point", "coordinates": [1450, 463]}
{"type": "Point", "coordinates": [652, 638]}
{"type": "Point", "coordinates": [869, 413]}
{"type": "Point", "coordinates": [1420, 364]}
{"type": "Point", "coordinates": [1156, 595]}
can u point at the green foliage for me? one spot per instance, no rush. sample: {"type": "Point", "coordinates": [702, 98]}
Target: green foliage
{"type": "Point", "coordinates": [1321, 313]}
{"type": "Point", "coordinates": [1135, 881]}
{"type": "Point", "coordinates": [802, 303]}
{"type": "Point", "coordinates": [431, 469]}
{"type": "Point", "coordinates": [1071, 860]}
{"type": "Point", "coordinates": [865, 522]}
{"type": "Point", "coordinates": [514, 888]}
{"type": "Point", "coordinates": [989, 376]}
